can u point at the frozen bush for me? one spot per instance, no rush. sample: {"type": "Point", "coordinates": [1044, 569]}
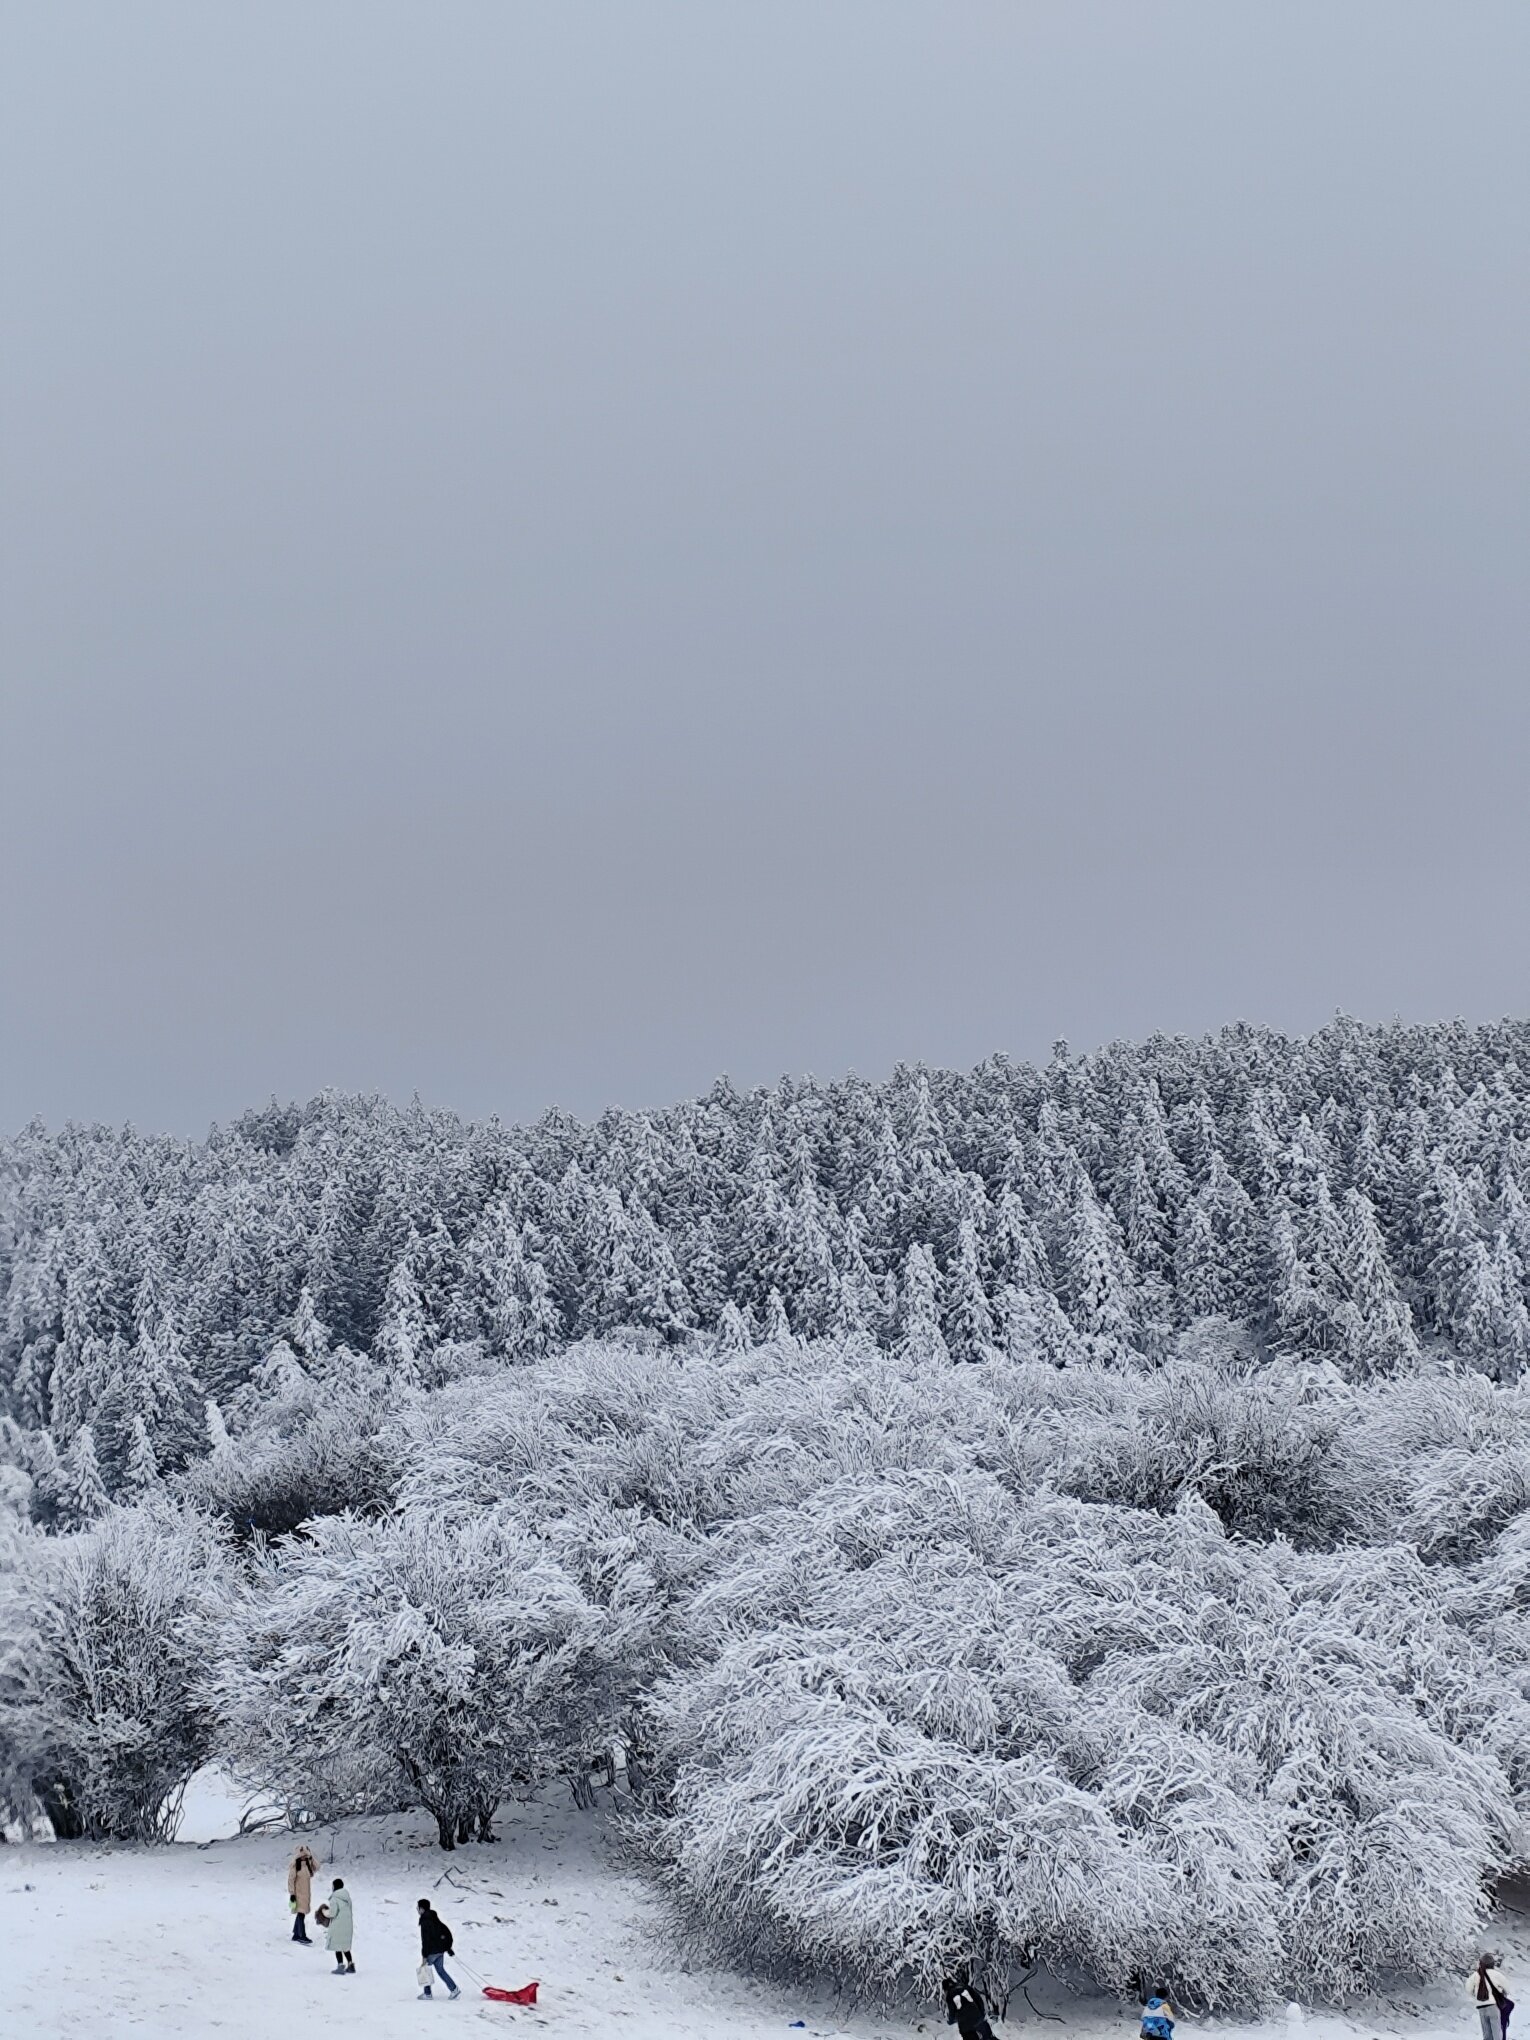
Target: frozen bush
{"type": "Point", "coordinates": [1454, 1454]}
{"type": "Point", "coordinates": [445, 1660]}
{"type": "Point", "coordinates": [105, 1635]}
{"type": "Point", "coordinates": [924, 1716]}
{"type": "Point", "coordinates": [334, 1449]}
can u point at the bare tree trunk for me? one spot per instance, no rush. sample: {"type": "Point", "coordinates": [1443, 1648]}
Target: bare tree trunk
{"type": "Point", "coordinates": [60, 1809]}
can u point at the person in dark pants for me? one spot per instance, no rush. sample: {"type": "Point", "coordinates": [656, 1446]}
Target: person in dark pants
{"type": "Point", "coordinates": [435, 1946]}
{"type": "Point", "coordinates": [301, 1872]}
{"type": "Point", "coordinates": [339, 1928]}
{"type": "Point", "coordinates": [965, 2009]}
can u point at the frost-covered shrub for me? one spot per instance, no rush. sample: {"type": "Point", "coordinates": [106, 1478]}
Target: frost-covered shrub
{"type": "Point", "coordinates": [1490, 1599]}
{"type": "Point", "coordinates": [882, 1771]}
{"type": "Point", "coordinates": [1266, 1454]}
{"type": "Point", "coordinates": [806, 1418]}
{"type": "Point", "coordinates": [444, 1660]}
{"type": "Point", "coordinates": [1452, 1456]}
{"type": "Point", "coordinates": [926, 1718]}
{"type": "Point", "coordinates": [600, 1421]}
{"type": "Point", "coordinates": [105, 1634]}
{"type": "Point", "coordinates": [688, 1440]}
{"type": "Point", "coordinates": [18, 1798]}
{"type": "Point", "coordinates": [320, 1453]}
{"type": "Point", "coordinates": [1375, 1729]}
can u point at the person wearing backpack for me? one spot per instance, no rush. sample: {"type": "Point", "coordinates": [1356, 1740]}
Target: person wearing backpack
{"type": "Point", "coordinates": [1490, 1994]}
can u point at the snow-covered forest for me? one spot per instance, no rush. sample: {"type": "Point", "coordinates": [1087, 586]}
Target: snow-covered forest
{"type": "Point", "coordinates": [1072, 1516]}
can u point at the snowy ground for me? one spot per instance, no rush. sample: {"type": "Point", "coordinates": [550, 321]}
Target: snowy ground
{"type": "Point", "coordinates": [194, 1939]}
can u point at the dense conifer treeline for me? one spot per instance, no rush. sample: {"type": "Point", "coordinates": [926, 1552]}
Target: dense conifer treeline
{"type": "Point", "coordinates": [1075, 1515]}
{"type": "Point", "coordinates": [1359, 1196]}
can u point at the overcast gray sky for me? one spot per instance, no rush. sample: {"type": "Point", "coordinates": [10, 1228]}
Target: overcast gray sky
{"type": "Point", "coordinates": [550, 551]}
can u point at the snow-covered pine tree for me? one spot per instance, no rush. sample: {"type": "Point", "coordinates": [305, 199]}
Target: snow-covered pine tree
{"type": "Point", "coordinates": [701, 1266]}
{"type": "Point", "coordinates": [777, 1330]}
{"type": "Point", "coordinates": [1490, 1323]}
{"type": "Point", "coordinates": [1035, 1328]}
{"type": "Point", "coordinates": [1448, 1234]}
{"type": "Point", "coordinates": [1376, 1324]}
{"type": "Point", "coordinates": [1097, 1278]}
{"type": "Point", "coordinates": [309, 1335]}
{"type": "Point", "coordinates": [141, 1475]}
{"type": "Point", "coordinates": [1302, 1319]}
{"type": "Point", "coordinates": [219, 1443]}
{"type": "Point", "coordinates": [404, 1337]}
{"type": "Point", "coordinates": [734, 1333]}
{"type": "Point", "coordinates": [492, 1303]}
{"type": "Point", "coordinates": [79, 1493]}
{"type": "Point", "coordinates": [967, 1317]}
{"type": "Point", "coordinates": [661, 1299]}
{"type": "Point", "coordinates": [1144, 1223]}
{"type": "Point", "coordinates": [920, 1338]}
{"type": "Point", "coordinates": [281, 1376]}
{"type": "Point", "coordinates": [540, 1329]}
{"type": "Point", "coordinates": [805, 1265]}
{"type": "Point", "coordinates": [1201, 1282]}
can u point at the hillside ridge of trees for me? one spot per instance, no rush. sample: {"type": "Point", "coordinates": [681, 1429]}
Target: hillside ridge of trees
{"type": "Point", "coordinates": [1361, 1195]}
{"type": "Point", "coordinates": [1075, 1515]}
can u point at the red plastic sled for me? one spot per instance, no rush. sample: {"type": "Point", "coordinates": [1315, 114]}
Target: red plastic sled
{"type": "Point", "coordinates": [527, 1995]}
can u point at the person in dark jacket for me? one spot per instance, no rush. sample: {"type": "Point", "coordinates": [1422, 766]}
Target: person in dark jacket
{"type": "Point", "coordinates": [435, 1946]}
{"type": "Point", "coordinates": [965, 2009]}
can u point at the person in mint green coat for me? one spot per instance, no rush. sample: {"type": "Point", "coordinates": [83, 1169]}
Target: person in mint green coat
{"type": "Point", "coordinates": [339, 1933]}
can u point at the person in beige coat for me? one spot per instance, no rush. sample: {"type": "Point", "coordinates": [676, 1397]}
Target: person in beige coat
{"type": "Point", "coordinates": [301, 1872]}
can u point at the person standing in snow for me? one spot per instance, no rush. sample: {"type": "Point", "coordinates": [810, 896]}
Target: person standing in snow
{"type": "Point", "coordinates": [1158, 2015]}
{"type": "Point", "coordinates": [340, 1932]}
{"type": "Point", "coordinates": [301, 1872]}
{"type": "Point", "coordinates": [435, 1946]}
{"type": "Point", "coordinates": [1490, 1994]}
{"type": "Point", "coordinates": [965, 2009]}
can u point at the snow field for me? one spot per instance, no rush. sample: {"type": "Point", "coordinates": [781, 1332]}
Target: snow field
{"type": "Point", "coordinates": [194, 1939]}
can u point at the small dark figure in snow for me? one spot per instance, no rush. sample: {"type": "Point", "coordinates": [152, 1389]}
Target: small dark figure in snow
{"type": "Point", "coordinates": [435, 1946]}
{"type": "Point", "coordinates": [339, 1929]}
{"type": "Point", "coordinates": [965, 2009]}
{"type": "Point", "coordinates": [301, 1872]}
{"type": "Point", "coordinates": [1158, 2015]}
{"type": "Point", "coordinates": [1490, 1994]}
